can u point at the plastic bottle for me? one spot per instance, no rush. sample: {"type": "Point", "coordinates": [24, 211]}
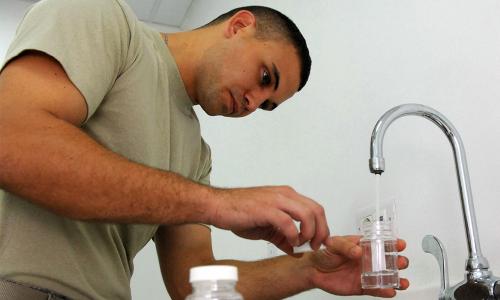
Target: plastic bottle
{"type": "Point", "coordinates": [214, 282]}
{"type": "Point", "coordinates": [379, 267]}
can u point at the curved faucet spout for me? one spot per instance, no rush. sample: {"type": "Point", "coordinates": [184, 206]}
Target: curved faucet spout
{"type": "Point", "coordinates": [476, 261]}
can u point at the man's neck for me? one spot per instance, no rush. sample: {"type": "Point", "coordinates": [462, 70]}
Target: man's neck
{"type": "Point", "coordinates": [187, 49]}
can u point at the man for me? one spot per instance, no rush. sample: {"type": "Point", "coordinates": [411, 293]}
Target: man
{"type": "Point", "coordinates": [100, 151]}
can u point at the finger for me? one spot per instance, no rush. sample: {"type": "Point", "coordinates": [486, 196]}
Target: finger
{"type": "Point", "coordinates": [322, 230]}
{"type": "Point", "coordinates": [353, 238]}
{"type": "Point", "coordinates": [403, 262]}
{"type": "Point", "coordinates": [313, 224]}
{"type": "Point", "coordinates": [403, 284]}
{"type": "Point", "coordinates": [284, 224]}
{"type": "Point", "coordinates": [400, 245]}
{"type": "Point", "coordinates": [343, 246]}
{"type": "Point", "coordinates": [284, 245]}
{"type": "Point", "coordinates": [388, 293]}
{"type": "Point", "coordinates": [300, 209]}
{"type": "Point", "coordinates": [307, 229]}
{"type": "Point", "coordinates": [383, 293]}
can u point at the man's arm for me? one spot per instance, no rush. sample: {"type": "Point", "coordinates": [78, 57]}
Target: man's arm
{"type": "Point", "coordinates": [335, 270]}
{"type": "Point", "coordinates": [181, 247]}
{"type": "Point", "coordinates": [46, 158]}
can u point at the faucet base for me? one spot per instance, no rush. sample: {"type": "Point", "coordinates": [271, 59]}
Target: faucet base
{"type": "Point", "coordinates": [486, 288]}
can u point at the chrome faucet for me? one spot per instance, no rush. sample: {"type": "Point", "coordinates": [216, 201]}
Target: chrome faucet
{"type": "Point", "coordinates": [479, 282]}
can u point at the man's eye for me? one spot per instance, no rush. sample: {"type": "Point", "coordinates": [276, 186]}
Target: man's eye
{"type": "Point", "coordinates": [266, 78]}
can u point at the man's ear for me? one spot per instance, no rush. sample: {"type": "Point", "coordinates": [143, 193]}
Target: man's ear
{"type": "Point", "coordinates": [240, 20]}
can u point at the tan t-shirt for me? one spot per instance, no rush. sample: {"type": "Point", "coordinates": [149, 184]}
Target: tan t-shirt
{"type": "Point", "coordinates": [137, 107]}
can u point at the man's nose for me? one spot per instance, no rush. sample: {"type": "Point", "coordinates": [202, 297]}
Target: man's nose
{"type": "Point", "coordinates": [250, 103]}
{"type": "Point", "coordinates": [253, 100]}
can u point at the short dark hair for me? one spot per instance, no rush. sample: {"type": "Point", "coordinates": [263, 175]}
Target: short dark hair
{"type": "Point", "coordinates": [272, 24]}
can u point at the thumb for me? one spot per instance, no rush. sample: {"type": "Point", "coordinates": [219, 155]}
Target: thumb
{"type": "Point", "coordinates": [347, 246]}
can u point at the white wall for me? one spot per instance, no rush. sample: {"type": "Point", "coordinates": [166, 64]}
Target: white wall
{"type": "Point", "coordinates": [369, 56]}
{"type": "Point", "coordinates": [11, 12]}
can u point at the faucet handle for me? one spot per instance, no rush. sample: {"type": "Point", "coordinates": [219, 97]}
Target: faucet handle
{"type": "Point", "coordinates": [432, 245]}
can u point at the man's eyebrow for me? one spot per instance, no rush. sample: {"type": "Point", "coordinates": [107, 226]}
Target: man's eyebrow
{"type": "Point", "coordinates": [277, 76]}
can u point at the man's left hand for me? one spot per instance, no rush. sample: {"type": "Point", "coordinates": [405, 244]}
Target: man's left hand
{"type": "Point", "coordinates": [337, 269]}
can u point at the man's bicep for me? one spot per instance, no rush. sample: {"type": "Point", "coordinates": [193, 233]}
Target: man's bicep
{"type": "Point", "coordinates": [179, 248]}
{"type": "Point", "coordinates": [36, 82]}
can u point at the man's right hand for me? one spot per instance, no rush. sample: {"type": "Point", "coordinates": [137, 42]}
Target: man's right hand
{"type": "Point", "coordinates": [269, 213]}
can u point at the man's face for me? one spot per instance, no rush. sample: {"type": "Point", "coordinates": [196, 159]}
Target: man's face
{"type": "Point", "coordinates": [244, 73]}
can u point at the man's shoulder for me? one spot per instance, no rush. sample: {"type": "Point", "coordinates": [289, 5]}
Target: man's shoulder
{"type": "Point", "coordinates": [87, 9]}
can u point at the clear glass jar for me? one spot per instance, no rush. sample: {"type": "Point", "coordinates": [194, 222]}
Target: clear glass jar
{"type": "Point", "coordinates": [214, 282]}
{"type": "Point", "coordinates": [379, 267]}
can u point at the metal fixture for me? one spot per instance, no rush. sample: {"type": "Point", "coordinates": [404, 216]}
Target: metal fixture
{"type": "Point", "coordinates": [479, 282]}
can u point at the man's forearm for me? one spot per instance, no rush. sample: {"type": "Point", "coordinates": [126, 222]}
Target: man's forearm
{"type": "Point", "coordinates": [56, 165]}
{"type": "Point", "coordinates": [274, 278]}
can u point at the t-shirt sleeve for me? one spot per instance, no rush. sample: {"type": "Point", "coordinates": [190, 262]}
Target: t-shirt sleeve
{"type": "Point", "coordinates": [89, 38]}
{"type": "Point", "coordinates": [205, 164]}
{"type": "Point", "coordinates": [206, 169]}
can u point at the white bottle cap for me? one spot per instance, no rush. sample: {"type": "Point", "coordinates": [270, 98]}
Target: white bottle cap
{"type": "Point", "coordinates": [213, 273]}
